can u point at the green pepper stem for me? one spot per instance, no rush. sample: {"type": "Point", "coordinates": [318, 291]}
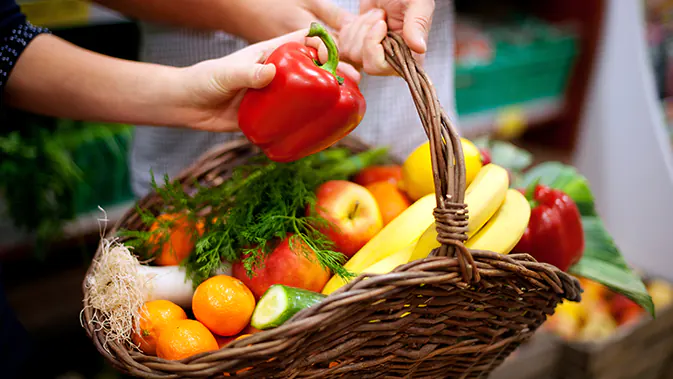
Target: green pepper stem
{"type": "Point", "coordinates": [530, 193]}
{"type": "Point", "coordinates": [317, 30]}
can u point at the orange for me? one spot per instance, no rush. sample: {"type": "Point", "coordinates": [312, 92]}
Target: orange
{"type": "Point", "coordinates": [223, 304]}
{"type": "Point", "coordinates": [181, 241]}
{"type": "Point", "coordinates": [183, 338]}
{"type": "Point", "coordinates": [373, 174]}
{"type": "Point", "coordinates": [390, 199]}
{"type": "Point", "coordinates": [153, 316]}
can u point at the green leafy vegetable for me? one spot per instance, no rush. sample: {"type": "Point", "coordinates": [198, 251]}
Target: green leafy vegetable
{"type": "Point", "coordinates": [506, 154]}
{"type": "Point", "coordinates": [38, 173]}
{"type": "Point", "coordinates": [563, 177]}
{"type": "Point", "coordinates": [603, 263]}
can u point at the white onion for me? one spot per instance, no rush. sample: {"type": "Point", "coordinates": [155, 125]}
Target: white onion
{"type": "Point", "coordinates": [171, 283]}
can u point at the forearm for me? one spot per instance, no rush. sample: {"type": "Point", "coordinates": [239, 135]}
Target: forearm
{"type": "Point", "coordinates": [230, 16]}
{"type": "Point", "coordinates": [201, 14]}
{"type": "Point", "coordinates": [56, 78]}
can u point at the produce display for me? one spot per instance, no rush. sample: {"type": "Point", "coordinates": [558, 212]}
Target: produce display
{"type": "Point", "coordinates": [602, 312]}
{"type": "Point", "coordinates": [279, 237]}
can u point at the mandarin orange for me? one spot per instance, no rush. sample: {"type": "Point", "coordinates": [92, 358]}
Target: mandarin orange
{"type": "Point", "coordinates": [179, 244]}
{"type": "Point", "coordinates": [390, 199]}
{"type": "Point", "coordinates": [183, 338]}
{"type": "Point", "coordinates": [223, 304]}
{"type": "Point", "coordinates": [153, 316]}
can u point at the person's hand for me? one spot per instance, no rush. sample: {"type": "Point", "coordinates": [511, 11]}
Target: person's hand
{"type": "Point", "coordinates": [260, 20]}
{"type": "Point", "coordinates": [211, 91]}
{"type": "Point", "coordinates": [360, 40]}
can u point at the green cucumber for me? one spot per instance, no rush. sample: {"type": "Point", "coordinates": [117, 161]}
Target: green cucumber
{"type": "Point", "coordinates": [279, 303]}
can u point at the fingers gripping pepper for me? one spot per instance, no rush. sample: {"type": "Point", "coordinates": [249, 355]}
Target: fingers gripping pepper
{"type": "Point", "coordinates": [554, 234]}
{"type": "Point", "coordinates": [306, 108]}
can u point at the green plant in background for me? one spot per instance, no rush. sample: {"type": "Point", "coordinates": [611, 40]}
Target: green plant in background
{"type": "Point", "coordinates": [39, 177]}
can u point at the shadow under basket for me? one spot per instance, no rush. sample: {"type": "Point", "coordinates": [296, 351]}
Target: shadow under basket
{"type": "Point", "coordinates": [456, 314]}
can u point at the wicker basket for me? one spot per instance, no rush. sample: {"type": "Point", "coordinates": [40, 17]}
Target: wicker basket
{"type": "Point", "coordinates": [456, 314]}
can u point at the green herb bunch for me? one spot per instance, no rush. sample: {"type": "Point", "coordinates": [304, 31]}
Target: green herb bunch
{"type": "Point", "coordinates": [262, 203]}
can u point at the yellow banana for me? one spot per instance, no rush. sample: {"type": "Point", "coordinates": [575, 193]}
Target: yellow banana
{"type": "Point", "coordinates": [483, 198]}
{"type": "Point", "coordinates": [425, 244]}
{"type": "Point", "coordinates": [391, 262]}
{"type": "Point", "coordinates": [504, 230]}
{"type": "Point", "coordinates": [399, 233]}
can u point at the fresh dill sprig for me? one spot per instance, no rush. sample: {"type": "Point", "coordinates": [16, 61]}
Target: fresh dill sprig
{"type": "Point", "coordinates": [262, 203]}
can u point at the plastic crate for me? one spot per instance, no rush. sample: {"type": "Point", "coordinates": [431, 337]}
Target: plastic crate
{"type": "Point", "coordinates": [105, 171]}
{"type": "Point", "coordinates": [531, 62]}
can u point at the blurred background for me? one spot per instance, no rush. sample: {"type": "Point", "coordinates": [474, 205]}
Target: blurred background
{"type": "Point", "coordinates": [586, 82]}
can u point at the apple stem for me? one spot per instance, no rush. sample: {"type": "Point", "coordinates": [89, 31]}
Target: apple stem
{"type": "Point", "coordinates": [355, 210]}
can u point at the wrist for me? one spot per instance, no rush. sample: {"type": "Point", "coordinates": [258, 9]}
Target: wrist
{"type": "Point", "coordinates": [168, 97]}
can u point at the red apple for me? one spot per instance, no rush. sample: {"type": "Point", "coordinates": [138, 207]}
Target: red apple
{"type": "Point", "coordinates": [284, 265]}
{"type": "Point", "coordinates": [352, 212]}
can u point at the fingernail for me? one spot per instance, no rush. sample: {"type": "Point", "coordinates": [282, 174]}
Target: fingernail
{"type": "Point", "coordinates": [263, 71]}
{"type": "Point", "coordinates": [258, 72]}
{"type": "Point", "coordinates": [422, 44]}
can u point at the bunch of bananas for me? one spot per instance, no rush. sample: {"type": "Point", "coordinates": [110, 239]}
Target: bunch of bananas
{"type": "Point", "coordinates": [498, 216]}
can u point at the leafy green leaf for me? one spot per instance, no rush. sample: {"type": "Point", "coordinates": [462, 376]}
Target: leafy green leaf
{"type": "Point", "coordinates": [509, 156]}
{"type": "Point", "coordinates": [505, 154]}
{"type": "Point", "coordinates": [602, 262]}
{"type": "Point", "coordinates": [565, 178]}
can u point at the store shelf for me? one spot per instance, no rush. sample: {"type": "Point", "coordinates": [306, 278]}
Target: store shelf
{"type": "Point", "coordinates": [527, 114]}
{"type": "Point", "coordinates": [88, 224]}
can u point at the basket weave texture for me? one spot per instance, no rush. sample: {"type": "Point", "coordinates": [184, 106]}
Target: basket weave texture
{"type": "Point", "coordinates": [455, 314]}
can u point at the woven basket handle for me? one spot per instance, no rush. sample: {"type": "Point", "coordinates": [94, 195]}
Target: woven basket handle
{"type": "Point", "coordinates": [448, 165]}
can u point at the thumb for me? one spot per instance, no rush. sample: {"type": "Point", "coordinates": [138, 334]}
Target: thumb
{"type": "Point", "coordinates": [246, 76]}
{"type": "Point", "coordinates": [417, 21]}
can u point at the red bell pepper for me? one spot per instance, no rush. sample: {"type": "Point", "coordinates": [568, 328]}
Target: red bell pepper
{"type": "Point", "coordinates": [554, 234]}
{"type": "Point", "coordinates": [306, 108]}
